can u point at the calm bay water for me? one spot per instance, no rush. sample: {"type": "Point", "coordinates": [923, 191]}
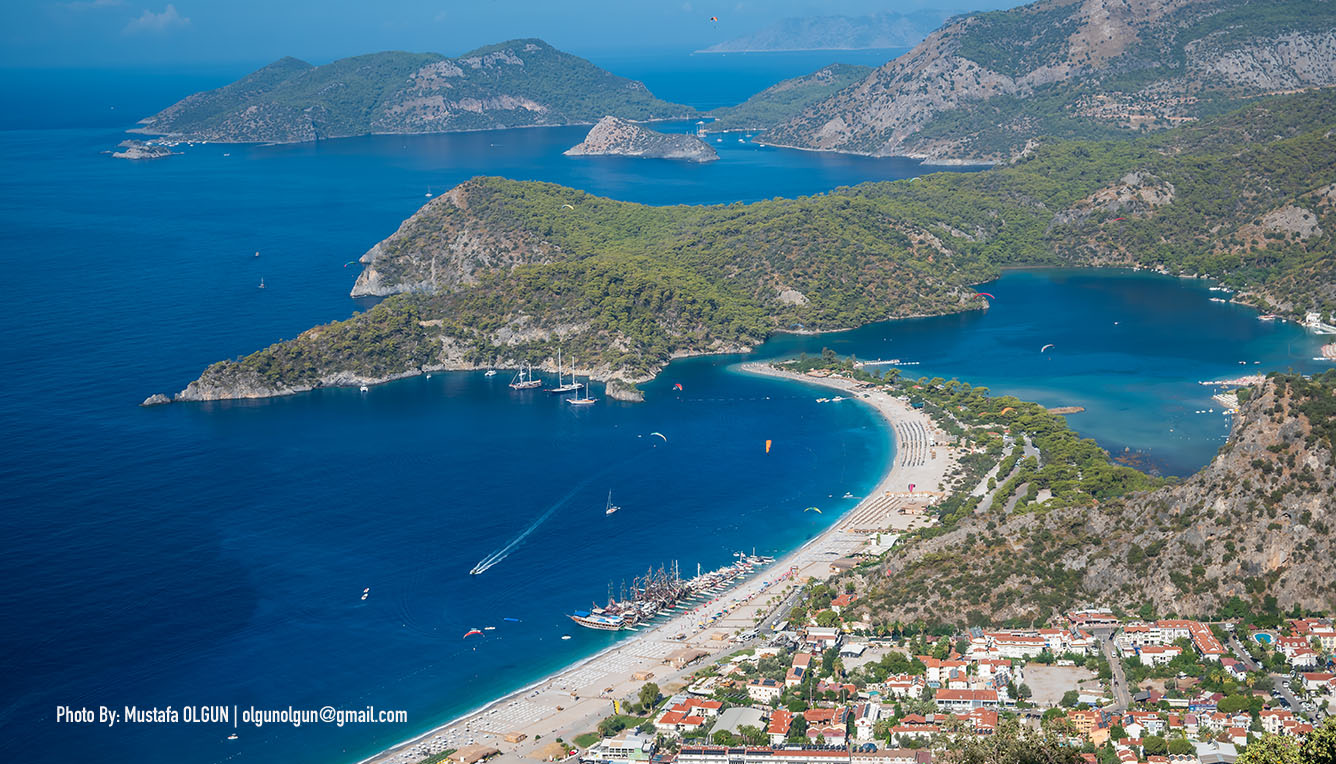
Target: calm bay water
{"type": "Point", "coordinates": [217, 553]}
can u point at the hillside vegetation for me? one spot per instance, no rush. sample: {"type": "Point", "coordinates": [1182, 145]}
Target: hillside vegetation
{"type": "Point", "coordinates": [785, 100]}
{"type": "Point", "coordinates": [1250, 532]}
{"type": "Point", "coordinates": [519, 83]}
{"type": "Point", "coordinates": [505, 271]}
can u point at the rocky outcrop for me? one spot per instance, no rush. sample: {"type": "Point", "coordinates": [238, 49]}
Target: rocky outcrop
{"type": "Point", "coordinates": [141, 150]}
{"type": "Point", "coordinates": [624, 391]}
{"type": "Point", "coordinates": [157, 399]}
{"type": "Point", "coordinates": [618, 137]}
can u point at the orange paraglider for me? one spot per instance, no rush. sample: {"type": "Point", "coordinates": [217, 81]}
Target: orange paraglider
{"type": "Point", "coordinates": [1005, 410]}
{"type": "Point", "coordinates": [714, 18]}
{"type": "Point", "coordinates": [767, 446]}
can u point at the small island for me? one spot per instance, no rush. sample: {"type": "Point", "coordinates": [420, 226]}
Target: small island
{"type": "Point", "coordinates": [613, 136]}
{"type": "Point", "coordinates": [141, 150]}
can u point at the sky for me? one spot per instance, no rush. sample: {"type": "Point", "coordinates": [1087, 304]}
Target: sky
{"type": "Point", "coordinates": [118, 33]}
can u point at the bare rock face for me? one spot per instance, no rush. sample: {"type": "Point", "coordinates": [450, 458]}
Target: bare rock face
{"type": "Point", "coordinates": [442, 247]}
{"type": "Point", "coordinates": [613, 136]}
{"type": "Point", "coordinates": [157, 399]}
{"type": "Point", "coordinates": [621, 391]}
{"type": "Point", "coordinates": [968, 91]}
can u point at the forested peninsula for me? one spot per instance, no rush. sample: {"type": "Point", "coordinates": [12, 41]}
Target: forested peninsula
{"type": "Point", "coordinates": [503, 272]}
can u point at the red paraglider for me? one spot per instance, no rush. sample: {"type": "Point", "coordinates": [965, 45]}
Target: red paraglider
{"type": "Point", "coordinates": [472, 632]}
{"type": "Point", "coordinates": [677, 386]}
{"type": "Point", "coordinates": [985, 294]}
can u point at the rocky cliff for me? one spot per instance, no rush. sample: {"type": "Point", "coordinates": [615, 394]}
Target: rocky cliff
{"type": "Point", "coordinates": [1254, 523]}
{"type": "Point", "coordinates": [618, 137]}
{"type": "Point", "coordinates": [985, 84]}
{"type": "Point", "coordinates": [519, 83]}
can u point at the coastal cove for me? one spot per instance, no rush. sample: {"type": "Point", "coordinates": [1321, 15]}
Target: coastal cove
{"type": "Point", "coordinates": [226, 545]}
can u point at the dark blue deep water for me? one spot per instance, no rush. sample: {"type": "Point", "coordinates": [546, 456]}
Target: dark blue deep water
{"type": "Point", "coordinates": [198, 554]}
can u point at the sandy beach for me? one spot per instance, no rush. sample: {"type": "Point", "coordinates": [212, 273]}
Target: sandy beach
{"type": "Point", "coordinates": [573, 700]}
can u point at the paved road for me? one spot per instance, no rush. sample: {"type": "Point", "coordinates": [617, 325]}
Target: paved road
{"type": "Point", "coordinates": [1122, 699]}
{"type": "Point", "coordinates": [1282, 680]}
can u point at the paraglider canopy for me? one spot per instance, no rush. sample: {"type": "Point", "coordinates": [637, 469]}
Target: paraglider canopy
{"type": "Point", "coordinates": [985, 294]}
{"type": "Point", "coordinates": [767, 446]}
{"type": "Point", "coordinates": [661, 435]}
{"type": "Point", "coordinates": [1046, 347]}
{"type": "Point", "coordinates": [813, 509]}
{"type": "Point", "coordinates": [472, 632]}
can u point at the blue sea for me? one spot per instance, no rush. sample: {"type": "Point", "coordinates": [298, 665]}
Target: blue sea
{"type": "Point", "coordinates": [216, 554]}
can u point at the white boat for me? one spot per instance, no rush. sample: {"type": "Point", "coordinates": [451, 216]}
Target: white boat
{"type": "Point", "coordinates": [233, 736]}
{"type": "Point", "coordinates": [490, 373]}
{"type": "Point", "coordinates": [364, 388]}
{"type": "Point", "coordinates": [611, 507]}
{"type": "Point", "coordinates": [261, 282]}
{"type": "Point", "coordinates": [524, 379]}
{"type": "Point", "coordinates": [577, 400]}
{"type": "Point", "coordinates": [569, 387]}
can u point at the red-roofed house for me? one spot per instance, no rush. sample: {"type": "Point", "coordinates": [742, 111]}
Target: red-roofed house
{"type": "Point", "coordinates": [780, 721]}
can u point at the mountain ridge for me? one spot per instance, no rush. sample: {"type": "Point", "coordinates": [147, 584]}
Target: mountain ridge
{"type": "Point", "coordinates": [870, 32]}
{"type": "Point", "coordinates": [985, 85]}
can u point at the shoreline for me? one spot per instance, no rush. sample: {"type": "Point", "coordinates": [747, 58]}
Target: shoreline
{"type": "Point", "coordinates": [918, 459]}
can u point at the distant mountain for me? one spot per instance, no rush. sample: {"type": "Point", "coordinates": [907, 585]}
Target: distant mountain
{"type": "Point", "coordinates": [882, 30]}
{"type": "Point", "coordinates": [785, 100]}
{"type": "Point", "coordinates": [519, 83]}
{"type": "Point", "coordinates": [986, 84]}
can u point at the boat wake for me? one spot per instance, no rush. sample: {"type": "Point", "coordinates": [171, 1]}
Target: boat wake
{"type": "Point", "coordinates": [487, 562]}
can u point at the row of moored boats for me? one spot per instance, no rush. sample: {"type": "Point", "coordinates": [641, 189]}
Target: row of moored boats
{"type": "Point", "coordinates": [665, 593]}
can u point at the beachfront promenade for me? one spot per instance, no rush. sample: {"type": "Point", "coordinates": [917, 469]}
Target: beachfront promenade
{"type": "Point", "coordinates": [575, 699]}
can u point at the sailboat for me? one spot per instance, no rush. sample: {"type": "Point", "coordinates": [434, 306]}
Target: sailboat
{"type": "Point", "coordinates": [261, 282]}
{"type": "Point", "coordinates": [611, 507]}
{"type": "Point", "coordinates": [524, 379]}
{"type": "Point", "coordinates": [569, 387]}
{"type": "Point", "coordinates": [577, 400]}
